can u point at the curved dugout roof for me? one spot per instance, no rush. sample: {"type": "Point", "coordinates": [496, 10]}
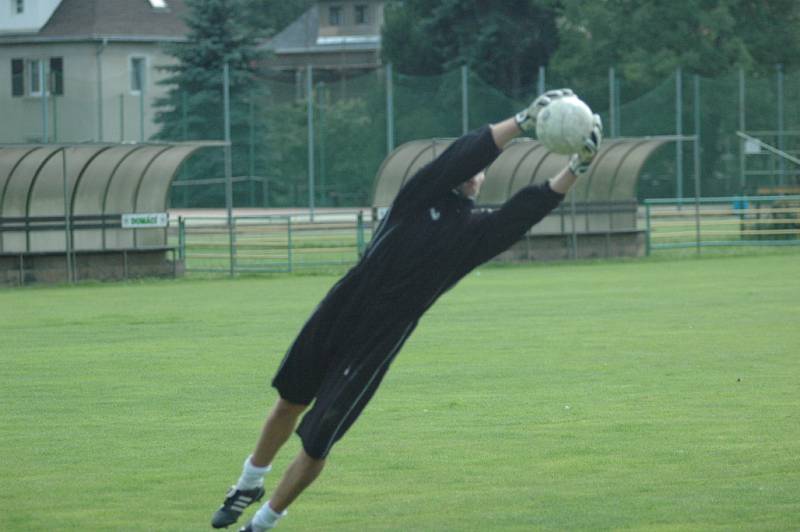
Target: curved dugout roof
{"type": "Point", "coordinates": [100, 180]}
{"type": "Point", "coordinates": [611, 179]}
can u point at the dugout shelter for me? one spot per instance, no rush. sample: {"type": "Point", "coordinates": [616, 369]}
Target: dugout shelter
{"type": "Point", "coordinates": [598, 218]}
{"type": "Point", "coordinates": [61, 210]}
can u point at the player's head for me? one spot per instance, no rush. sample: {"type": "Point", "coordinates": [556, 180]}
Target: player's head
{"type": "Point", "coordinates": [472, 187]}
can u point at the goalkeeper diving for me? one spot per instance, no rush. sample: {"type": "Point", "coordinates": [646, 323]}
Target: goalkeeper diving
{"type": "Point", "coordinates": [429, 239]}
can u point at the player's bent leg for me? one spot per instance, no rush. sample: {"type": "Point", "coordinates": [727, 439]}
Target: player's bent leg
{"type": "Point", "coordinates": [250, 487]}
{"type": "Point", "coordinates": [300, 474]}
{"type": "Point", "coordinates": [270, 522]}
{"type": "Point", "coordinates": [303, 470]}
{"type": "Point", "coordinates": [276, 431]}
{"type": "Point", "coordinates": [338, 405]}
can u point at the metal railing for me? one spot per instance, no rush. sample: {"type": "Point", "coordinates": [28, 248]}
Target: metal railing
{"type": "Point", "coordinates": [269, 243]}
{"type": "Point", "coordinates": [716, 222]}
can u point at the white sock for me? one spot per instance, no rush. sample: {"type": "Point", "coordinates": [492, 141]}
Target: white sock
{"type": "Point", "coordinates": [266, 518]}
{"type": "Point", "coordinates": [252, 476]}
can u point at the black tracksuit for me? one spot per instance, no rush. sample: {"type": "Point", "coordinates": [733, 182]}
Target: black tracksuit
{"type": "Point", "coordinates": [428, 240]}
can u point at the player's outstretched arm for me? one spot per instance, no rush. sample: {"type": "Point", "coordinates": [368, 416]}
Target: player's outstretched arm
{"type": "Point", "coordinates": [468, 155]}
{"type": "Point", "coordinates": [500, 229]}
{"type": "Point", "coordinates": [525, 121]}
{"type": "Point", "coordinates": [503, 132]}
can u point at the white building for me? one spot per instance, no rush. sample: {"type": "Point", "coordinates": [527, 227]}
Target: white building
{"type": "Point", "coordinates": [83, 70]}
{"type": "Point", "coordinates": [25, 16]}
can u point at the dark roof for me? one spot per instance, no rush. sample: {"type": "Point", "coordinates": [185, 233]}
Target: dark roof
{"type": "Point", "coordinates": [302, 33]}
{"type": "Point", "coordinates": [136, 19]}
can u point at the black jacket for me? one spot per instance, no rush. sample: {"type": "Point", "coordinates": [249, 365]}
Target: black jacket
{"type": "Point", "coordinates": [428, 240]}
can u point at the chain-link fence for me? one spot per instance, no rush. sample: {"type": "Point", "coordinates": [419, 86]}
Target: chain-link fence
{"type": "Point", "coordinates": [316, 138]}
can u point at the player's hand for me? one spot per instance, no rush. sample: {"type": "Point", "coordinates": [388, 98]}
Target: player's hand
{"type": "Point", "coordinates": [579, 162]}
{"type": "Point", "coordinates": [526, 119]}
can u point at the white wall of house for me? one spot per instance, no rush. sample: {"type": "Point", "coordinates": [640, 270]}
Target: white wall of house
{"type": "Point", "coordinates": [25, 16]}
{"type": "Point", "coordinates": [89, 109]}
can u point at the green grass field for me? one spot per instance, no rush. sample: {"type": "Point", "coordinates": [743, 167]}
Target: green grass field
{"type": "Point", "coordinates": [633, 395]}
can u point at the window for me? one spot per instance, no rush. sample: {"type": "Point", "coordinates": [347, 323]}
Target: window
{"type": "Point", "coordinates": [335, 15]}
{"type": "Point", "coordinates": [137, 74]}
{"type": "Point", "coordinates": [34, 77]}
{"type": "Point", "coordinates": [19, 6]}
{"type": "Point", "coordinates": [26, 77]}
{"type": "Point", "coordinates": [362, 14]}
{"type": "Point", "coordinates": [17, 77]}
{"type": "Point", "coordinates": [56, 85]}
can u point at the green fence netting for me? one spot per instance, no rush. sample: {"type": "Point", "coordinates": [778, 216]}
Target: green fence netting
{"type": "Point", "coordinates": [355, 120]}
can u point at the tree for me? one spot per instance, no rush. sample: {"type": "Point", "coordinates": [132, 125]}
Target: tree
{"type": "Point", "coordinates": [347, 149]}
{"type": "Point", "coordinates": [193, 106]}
{"type": "Point", "coordinates": [503, 42]}
{"type": "Point", "coordinates": [646, 40]}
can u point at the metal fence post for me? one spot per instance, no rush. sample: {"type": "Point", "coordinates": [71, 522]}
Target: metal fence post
{"type": "Point", "coordinates": [697, 158]}
{"type": "Point", "coordinates": [617, 111]}
{"type": "Point", "coordinates": [574, 225]}
{"type": "Point", "coordinates": [742, 128]}
{"type": "Point", "coordinates": [226, 109]}
{"type": "Point", "coordinates": [389, 109]}
{"type": "Point", "coordinates": [181, 238]}
{"type": "Point", "coordinates": [251, 149]}
{"type": "Point", "coordinates": [781, 161]}
{"type": "Point", "coordinates": [321, 167]}
{"type": "Point", "coordinates": [99, 62]}
{"type": "Point", "coordinates": [360, 233]}
{"type": "Point", "coordinates": [648, 228]}
{"type": "Point", "coordinates": [233, 246]}
{"type": "Point", "coordinates": [679, 133]}
{"type": "Point", "coordinates": [289, 243]}
{"type": "Point", "coordinates": [612, 112]}
{"type": "Point", "coordinates": [67, 216]}
{"type": "Point", "coordinates": [464, 99]}
{"type": "Point", "coordinates": [310, 126]}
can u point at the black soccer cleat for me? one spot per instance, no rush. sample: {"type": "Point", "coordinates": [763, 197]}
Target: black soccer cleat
{"type": "Point", "coordinates": [248, 527]}
{"type": "Point", "coordinates": [234, 504]}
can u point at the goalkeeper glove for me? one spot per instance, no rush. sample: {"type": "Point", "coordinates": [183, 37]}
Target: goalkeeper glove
{"type": "Point", "coordinates": [579, 162]}
{"type": "Point", "coordinates": [526, 119]}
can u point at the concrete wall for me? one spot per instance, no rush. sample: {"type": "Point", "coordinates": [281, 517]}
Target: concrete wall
{"type": "Point", "coordinates": [537, 247]}
{"type": "Point", "coordinates": [75, 116]}
{"type": "Point", "coordinates": [97, 266]}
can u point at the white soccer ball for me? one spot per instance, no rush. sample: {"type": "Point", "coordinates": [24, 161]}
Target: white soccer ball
{"type": "Point", "coordinates": [564, 124]}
